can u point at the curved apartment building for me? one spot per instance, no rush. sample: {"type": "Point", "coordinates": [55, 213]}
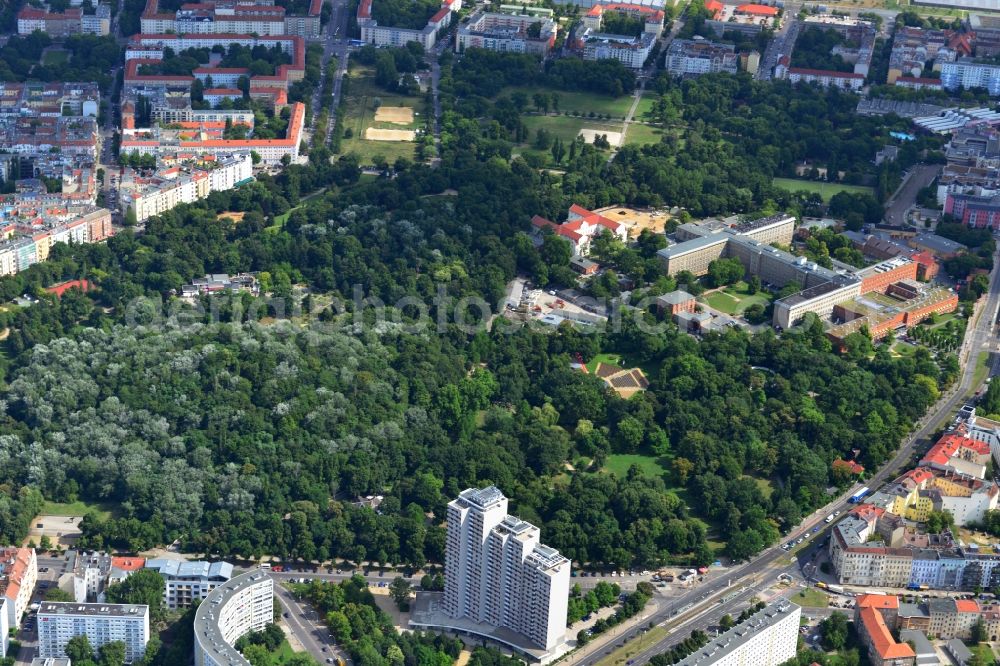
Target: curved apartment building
{"type": "Point", "coordinates": [243, 604]}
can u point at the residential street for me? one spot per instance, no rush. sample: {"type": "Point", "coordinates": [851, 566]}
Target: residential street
{"type": "Point", "coordinates": [905, 197]}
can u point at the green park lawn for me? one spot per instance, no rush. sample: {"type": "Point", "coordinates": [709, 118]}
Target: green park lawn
{"type": "Point", "coordinates": [583, 102]}
{"type": "Point", "coordinates": [78, 508]}
{"type": "Point", "coordinates": [736, 298]}
{"type": "Point", "coordinates": [825, 190]}
{"type": "Point", "coordinates": [619, 464]}
{"type": "Point", "coordinates": [567, 127]}
{"type": "Point", "coordinates": [282, 655]}
{"type": "Point", "coordinates": [810, 597]}
{"type": "Point", "coordinates": [608, 359]}
{"type": "Point", "coordinates": [640, 134]}
{"type": "Point", "coordinates": [985, 653]}
{"type": "Point", "coordinates": [55, 57]}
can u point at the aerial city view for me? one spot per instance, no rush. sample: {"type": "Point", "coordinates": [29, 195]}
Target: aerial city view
{"type": "Point", "coordinates": [496, 333]}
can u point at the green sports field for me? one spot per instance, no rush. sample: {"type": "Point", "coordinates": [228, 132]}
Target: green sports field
{"type": "Point", "coordinates": [825, 190]}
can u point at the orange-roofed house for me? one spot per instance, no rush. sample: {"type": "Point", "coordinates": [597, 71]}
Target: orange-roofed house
{"type": "Point", "coordinates": [18, 575]}
{"type": "Point", "coordinates": [874, 634]}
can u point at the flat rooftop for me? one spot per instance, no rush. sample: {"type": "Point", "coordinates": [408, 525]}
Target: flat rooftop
{"type": "Point", "coordinates": [206, 620]}
{"type": "Point", "coordinates": [719, 648]}
{"type": "Point", "coordinates": [693, 245]}
{"type": "Point", "coordinates": [482, 497]}
{"type": "Point", "coordinates": [93, 610]}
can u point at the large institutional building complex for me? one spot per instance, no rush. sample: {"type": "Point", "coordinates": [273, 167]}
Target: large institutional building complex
{"type": "Point", "coordinates": [881, 297]}
{"type": "Point", "coordinates": [497, 573]}
{"type": "Point", "coordinates": [58, 622]}
{"type": "Point", "coordinates": [244, 604]}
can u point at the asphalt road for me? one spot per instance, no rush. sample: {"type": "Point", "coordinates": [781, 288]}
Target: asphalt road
{"type": "Point", "coordinates": [905, 197]}
{"type": "Point", "coordinates": [980, 338]}
{"type": "Point", "coordinates": [304, 624]}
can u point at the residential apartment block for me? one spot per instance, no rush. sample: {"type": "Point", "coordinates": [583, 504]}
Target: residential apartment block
{"type": "Point", "coordinates": [691, 57]}
{"type": "Point", "coordinates": [826, 78]}
{"type": "Point", "coordinates": [507, 33]}
{"type": "Point", "coordinates": [244, 604]}
{"type": "Point", "coordinates": [171, 186]}
{"type": "Point", "coordinates": [29, 231]}
{"type": "Point", "coordinates": [261, 17]}
{"type": "Point", "coordinates": [187, 582]}
{"type": "Point", "coordinates": [162, 142]}
{"type": "Point", "coordinates": [878, 616]}
{"type": "Point", "coordinates": [859, 38]}
{"type": "Point", "coordinates": [380, 35]}
{"type": "Point", "coordinates": [18, 575]}
{"type": "Point", "coordinates": [101, 623]}
{"type": "Point", "coordinates": [71, 22]}
{"type": "Point", "coordinates": [498, 574]}
{"type": "Point", "coordinates": [767, 638]}
{"type": "Point", "coordinates": [968, 73]}
{"type": "Point", "coordinates": [87, 575]}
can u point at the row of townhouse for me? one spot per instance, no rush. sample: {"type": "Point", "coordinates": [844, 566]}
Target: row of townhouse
{"type": "Point", "coordinates": [169, 187]}
{"type": "Point", "coordinates": [913, 49]}
{"type": "Point", "coordinates": [939, 617]}
{"type": "Point", "coordinates": [262, 17]}
{"type": "Point", "coordinates": [71, 22]}
{"type": "Point", "coordinates": [875, 546]}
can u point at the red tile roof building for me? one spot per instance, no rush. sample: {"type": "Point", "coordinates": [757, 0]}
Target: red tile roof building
{"type": "Point", "coordinates": [874, 633]}
{"type": "Point", "coordinates": [581, 227]}
{"type": "Point", "coordinates": [757, 10]}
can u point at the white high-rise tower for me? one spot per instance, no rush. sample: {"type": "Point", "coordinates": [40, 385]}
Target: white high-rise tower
{"type": "Point", "coordinates": [497, 572]}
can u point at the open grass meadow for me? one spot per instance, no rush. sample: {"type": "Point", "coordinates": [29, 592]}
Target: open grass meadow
{"type": "Point", "coordinates": [361, 101]}
{"type": "Point", "coordinates": [78, 508]}
{"type": "Point", "coordinates": [825, 190]}
{"type": "Point", "coordinates": [55, 57]}
{"type": "Point", "coordinates": [582, 102]}
{"type": "Point", "coordinates": [619, 464]}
